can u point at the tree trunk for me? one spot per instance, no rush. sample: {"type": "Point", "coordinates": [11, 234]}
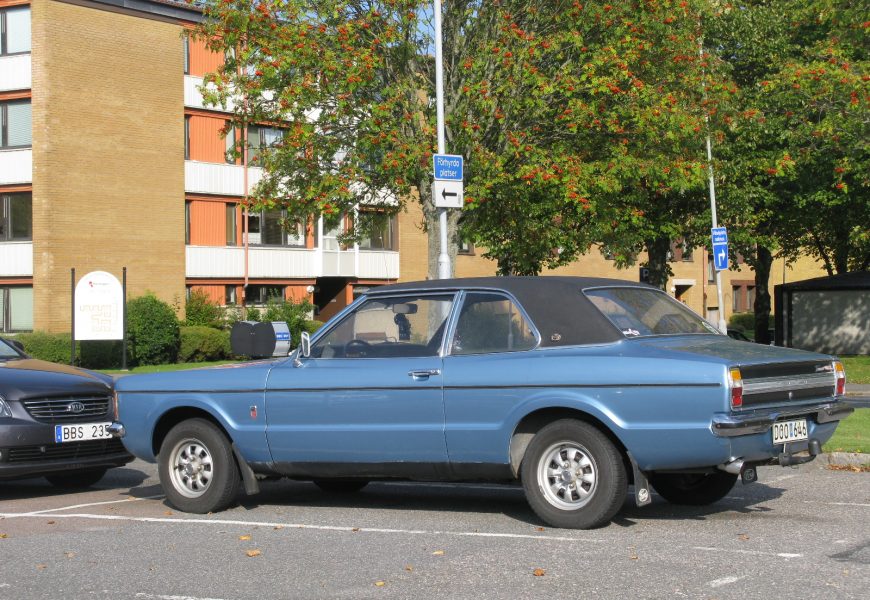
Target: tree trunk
{"type": "Point", "coordinates": [763, 262]}
{"type": "Point", "coordinates": [657, 261]}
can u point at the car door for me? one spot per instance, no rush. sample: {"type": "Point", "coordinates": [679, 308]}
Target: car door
{"type": "Point", "coordinates": [487, 373]}
{"type": "Point", "coordinates": [368, 401]}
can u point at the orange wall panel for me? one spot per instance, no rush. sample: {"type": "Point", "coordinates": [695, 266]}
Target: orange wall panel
{"type": "Point", "coordinates": [202, 60]}
{"type": "Point", "coordinates": [215, 293]}
{"type": "Point", "coordinates": [206, 142]}
{"type": "Point", "coordinates": [208, 224]}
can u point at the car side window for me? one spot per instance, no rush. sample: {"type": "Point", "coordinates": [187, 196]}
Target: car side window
{"type": "Point", "coordinates": [491, 323]}
{"type": "Point", "coordinates": [397, 326]}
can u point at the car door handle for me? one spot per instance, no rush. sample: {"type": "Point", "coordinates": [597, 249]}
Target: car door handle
{"type": "Point", "coordinates": [424, 374]}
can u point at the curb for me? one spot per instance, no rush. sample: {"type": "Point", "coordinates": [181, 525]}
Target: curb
{"type": "Point", "coordinates": [847, 459]}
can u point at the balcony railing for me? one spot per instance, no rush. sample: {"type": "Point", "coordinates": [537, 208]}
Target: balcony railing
{"type": "Point", "coordinates": [16, 259]}
{"type": "Point", "coordinates": [193, 97]}
{"type": "Point", "coordinates": [217, 178]}
{"type": "Point", "coordinates": [15, 72]}
{"type": "Point", "coordinates": [221, 262]}
{"type": "Point", "coordinates": [16, 166]}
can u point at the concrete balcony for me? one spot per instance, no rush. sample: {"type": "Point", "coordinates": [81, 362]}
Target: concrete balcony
{"type": "Point", "coordinates": [16, 259]}
{"type": "Point", "coordinates": [217, 178]}
{"type": "Point", "coordinates": [15, 72]}
{"type": "Point", "coordinates": [221, 262]}
{"type": "Point", "coordinates": [16, 166]}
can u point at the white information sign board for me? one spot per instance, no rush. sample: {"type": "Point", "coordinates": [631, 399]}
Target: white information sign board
{"type": "Point", "coordinates": [99, 308]}
{"type": "Point", "coordinates": [447, 194]}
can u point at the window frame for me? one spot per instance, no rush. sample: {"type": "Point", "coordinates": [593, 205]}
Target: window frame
{"type": "Point", "coordinates": [4, 124]}
{"type": "Point", "coordinates": [459, 304]}
{"type": "Point", "coordinates": [8, 222]}
{"type": "Point", "coordinates": [4, 32]}
{"type": "Point", "coordinates": [284, 233]}
{"type": "Point", "coordinates": [6, 307]}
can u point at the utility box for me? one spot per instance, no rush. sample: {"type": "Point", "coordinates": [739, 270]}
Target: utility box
{"type": "Point", "coordinates": [260, 340]}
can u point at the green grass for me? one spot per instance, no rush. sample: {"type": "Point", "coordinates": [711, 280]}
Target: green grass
{"type": "Point", "coordinates": [166, 368]}
{"type": "Point", "coordinates": [857, 369]}
{"type": "Point", "coordinates": [853, 434]}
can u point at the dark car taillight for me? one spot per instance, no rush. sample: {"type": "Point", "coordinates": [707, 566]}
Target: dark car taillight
{"type": "Point", "coordinates": [840, 373]}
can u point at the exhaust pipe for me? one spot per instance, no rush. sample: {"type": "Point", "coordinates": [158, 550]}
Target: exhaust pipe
{"type": "Point", "coordinates": [734, 467]}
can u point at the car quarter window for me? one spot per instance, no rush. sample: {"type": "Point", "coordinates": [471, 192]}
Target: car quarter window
{"type": "Point", "coordinates": [388, 327]}
{"type": "Point", "coordinates": [491, 322]}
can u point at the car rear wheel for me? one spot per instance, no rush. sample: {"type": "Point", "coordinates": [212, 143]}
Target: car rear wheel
{"type": "Point", "coordinates": [693, 489]}
{"type": "Point", "coordinates": [573, 475]}
{"type": "Point", "coordinates": [197, 468]}
{"type": "Point", "coordinates": [76, 479]}
{"type": "Point", "coordinates": [341, 486]}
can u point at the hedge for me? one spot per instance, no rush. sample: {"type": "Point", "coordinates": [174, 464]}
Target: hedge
{"type": "Point", "coordinates": [199, 344]}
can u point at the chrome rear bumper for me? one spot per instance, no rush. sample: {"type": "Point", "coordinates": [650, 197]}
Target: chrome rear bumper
{"type": "Point", "coordinates": [760, 421]}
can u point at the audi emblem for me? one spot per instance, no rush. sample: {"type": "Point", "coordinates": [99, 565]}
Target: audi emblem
{"type": "Point", "coordinates": [75, 407]}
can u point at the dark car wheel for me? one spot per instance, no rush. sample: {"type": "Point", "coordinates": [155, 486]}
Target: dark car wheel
{"type": "Point", "coordinates": [573, 475]}
{"type": "Point", "coordinates": [693, 489]}
{"type": "Point", "coordinates": [76, 479]}
{"type": "Point", "coordinates": [197, 468]}
{"type": "Point", "coordinates": [341, 486]}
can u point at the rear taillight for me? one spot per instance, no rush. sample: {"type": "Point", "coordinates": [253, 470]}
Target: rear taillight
{"type": "Point", "coordinates": [736, 388]}
{"type": "Point", "coordinates": [840, 373]}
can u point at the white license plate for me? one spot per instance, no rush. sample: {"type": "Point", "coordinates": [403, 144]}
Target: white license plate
{"type": "Point", "coordinates": [81, 432]}
{"type": "Point", "coordinates": [789, 431]}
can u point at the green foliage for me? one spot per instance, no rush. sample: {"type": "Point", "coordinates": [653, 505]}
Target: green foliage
{"type": "Point", "coordinates": [100, 354]}
{"type": "Point", "coordinates": [152, 331]}
{"type": "Point", "coordinates": [53, 347]}
{"type": "Point", "coordinates": [201, 311]}
{"type": "Point", "coordinates": [852, 434]}
{"type": "Point", "coordinates": [295, 314]}
{"type": "Point", "coordinates": [745, 321]}
{"type": "Point", "coordinates": [199, 344]}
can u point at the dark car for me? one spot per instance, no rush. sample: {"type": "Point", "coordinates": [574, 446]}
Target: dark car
{"type": "Point", "coordinates": [54, 421]}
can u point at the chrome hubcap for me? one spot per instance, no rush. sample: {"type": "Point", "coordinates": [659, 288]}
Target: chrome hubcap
{"type": "Point", "coordinates": [191, 468]}
{"type": "Point", "coordinates": [567, 475]}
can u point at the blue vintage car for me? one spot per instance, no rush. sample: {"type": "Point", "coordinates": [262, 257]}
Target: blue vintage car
{"type": "Point", "coordinates": [576, 387]}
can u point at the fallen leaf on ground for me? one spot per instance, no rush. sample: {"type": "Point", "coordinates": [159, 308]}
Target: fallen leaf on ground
{"type": "Point", "coordinates": [41, 567]}
{"type": "Point", "coordinates": [69, 554]}
{"type": "Point", "coordinates": [409, 568]}
{"type": "Point", "coordinates": [244, 538]}
{"type": "Point", "coordinates": [538, 572]}
{"type": "Point", "coordinates": [168, 513]}
{"type": "Point", "coordinates": [850, 468]}
{"type": "Point", "coordinates": [278, 527]}
{"type": "Point", "coordinates": [539, 529]}
{"type": "Point", "coordinates": [355, 529]}
{"type": "Point", "coordinates": [438, 553]}
{"type": "Point", "coordinates": [3, 536]}
{"type": "Point", "coordinates": [633, 555]}
{"type": "Point", "coordinates": [742, 537]}
{"type": "Point", "coordinates": [253, 553]}
{"type": "Point", "coordinates": [52, 522]}
{"type": "Point", "coordinates": [380, 583]}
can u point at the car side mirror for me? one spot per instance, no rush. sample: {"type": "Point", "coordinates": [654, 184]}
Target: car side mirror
{"type": "Point", "coordinates": [305, 345]}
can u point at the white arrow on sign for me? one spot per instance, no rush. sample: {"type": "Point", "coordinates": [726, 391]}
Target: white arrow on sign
{"type": "Point", "coordinates": [447, 194]}
{"type": "Point", "coordinates": [722, 257]}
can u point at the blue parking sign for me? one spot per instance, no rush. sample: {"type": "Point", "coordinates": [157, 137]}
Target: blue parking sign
{"type": "Point", "coordinates": [720, 248]}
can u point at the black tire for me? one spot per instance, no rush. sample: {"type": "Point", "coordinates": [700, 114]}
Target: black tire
{"type": "Point", "coordinates": [197, 468]}
{"type": "Point", "coordinates": [595, 469]}
{"type": "Point", "coordinates": [341, 486]}
{"type": "Point", "coordinates": [693, 489]}
{"type": "Point", "coordinates": [76, 479]}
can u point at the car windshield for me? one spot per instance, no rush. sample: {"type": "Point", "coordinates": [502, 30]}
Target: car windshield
{"type": "Point", "coordinates": [643, 312]}
{"type": "Point", "coordinates": [7, 351]}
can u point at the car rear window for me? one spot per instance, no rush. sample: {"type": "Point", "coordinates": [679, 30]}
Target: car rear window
{"type": "Point", "coordinates": [644, 312]}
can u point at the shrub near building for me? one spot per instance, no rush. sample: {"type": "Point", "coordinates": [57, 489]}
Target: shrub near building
{"type": "Point", "coordinates": [152, 331]}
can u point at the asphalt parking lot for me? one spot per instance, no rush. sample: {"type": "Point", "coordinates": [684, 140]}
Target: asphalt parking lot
{"type": "Point", "coordinates": [802, 532]}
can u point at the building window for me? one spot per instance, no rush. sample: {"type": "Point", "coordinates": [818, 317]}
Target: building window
{"type": "Point", "coordinates": [186, 138]}
{"type": "Point", "coordinates": [229, 295]}
{"type": "Point", "coordinates": [271, 228]}
{"type": "Point", "coordinates": [16, 308]}
{"type": "Point", "coordinates": [742, 296]}
{"type": "Point", "coordinates": [16, 217]}
{"type": "Point", "coordinates": [260, 138]}
{"type": "Point", "coordinates": [711, 271]}
{"type": "Point", "coordinates": [14, 30]}
{"type": "Point", "coordinates": [465, 246]}
{"type": "Point", "coordinates": [380, 234]}
{"type": "Point", "coordinates": [261, 294]}
{"type": "Point", "coordinates": [186, 41]}
{"type": "Point", "coordinates": [231, 224]}
{"type": "Point", "coordinates": [187, 222]}
{"type": "Point", "coordinates": [230, 142]}
{"type": "Point", "coordinates": [15, 131]}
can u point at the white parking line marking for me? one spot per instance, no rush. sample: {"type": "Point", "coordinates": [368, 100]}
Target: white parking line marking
{"type": "Point", "coordinates": [725, 581]}
{"type": "Point", "coordinates": [749, 552]}
{"type": "Point", "coordinates": [164, 597]}
{"type": "Point", "coordinates": [49, 510]}
{"type": "Point", "coordinates": [836, 503]}
{"type": "Point", "coordinates": [484, 534]}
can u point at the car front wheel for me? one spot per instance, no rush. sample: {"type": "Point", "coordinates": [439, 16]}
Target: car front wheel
{"type": "Point", "coordinates": [197, 468]}
{"type": "Point", "coordinates": [693, 489]}
{"type": "Point", "coordinates": [573, 475]}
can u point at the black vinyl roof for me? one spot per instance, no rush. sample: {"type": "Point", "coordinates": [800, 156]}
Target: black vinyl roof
{"type": "Point", "coordinates": [855, 280]}
{"type": "Point", "coordinates": [561, 313]}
